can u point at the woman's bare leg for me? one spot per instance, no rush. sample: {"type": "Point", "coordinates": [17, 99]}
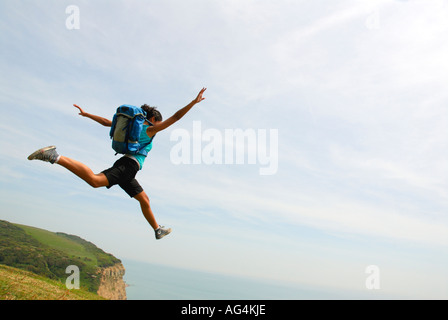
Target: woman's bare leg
{"type": "Point", "coordinates": [160, 231]}
{"type": "Point", "coordinates": [84, 172]}
{"type": "Point", "coordinates": [49, 154]}
{"type": "Point", "coordinates": [143, 198]}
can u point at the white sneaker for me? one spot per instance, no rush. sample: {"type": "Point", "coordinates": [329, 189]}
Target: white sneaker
{"type": "Point", "coordinates": [161, 231]}
{"type": "Point", "coordinates": [47, 154]}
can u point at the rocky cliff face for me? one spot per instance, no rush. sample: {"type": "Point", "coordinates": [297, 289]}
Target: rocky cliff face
{"type": "Point", "coordinates": [112, 285]}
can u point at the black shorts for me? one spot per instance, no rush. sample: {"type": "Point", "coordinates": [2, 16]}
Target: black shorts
{"type": "Point", "coordinates": [123, 173]}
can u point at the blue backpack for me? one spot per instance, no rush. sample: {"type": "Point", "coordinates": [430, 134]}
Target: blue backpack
{"type": "Point", "coordinates": [127, 125]}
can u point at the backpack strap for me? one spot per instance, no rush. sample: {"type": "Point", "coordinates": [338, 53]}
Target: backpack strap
{"type": "Point", "coordinates": [143, 146]}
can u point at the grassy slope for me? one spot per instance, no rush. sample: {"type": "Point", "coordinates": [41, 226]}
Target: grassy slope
{"type": "Point", "coordinates": [60, 243]}
{"type": "Point", "coordinates": [46, 254]}
{"type": "Point", "coordinates": [17, 284]}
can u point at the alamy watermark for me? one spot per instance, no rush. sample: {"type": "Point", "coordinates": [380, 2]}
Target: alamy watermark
{"type": "Point", "coordinates": [72, 281]}
{"type": "Point", "coordinates": [373, 280]}
{"type": "Point", "coordinates": [227, 147]}
{"type": "Point", "coordinates": [373, 20]}
{"type": "Point", "coordinates": [73, 20]}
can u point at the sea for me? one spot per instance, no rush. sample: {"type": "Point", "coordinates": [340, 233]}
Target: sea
{"type": "Point", "coordinates": [148, 281]}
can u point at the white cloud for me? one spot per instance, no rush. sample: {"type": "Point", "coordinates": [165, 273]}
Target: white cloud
{"type": "Point", "coordinates": [361, 112]}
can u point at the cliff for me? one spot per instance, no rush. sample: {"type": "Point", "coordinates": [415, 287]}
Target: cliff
{"type": "Point", "coordinates": [112, 285]}
{"type": "Point", "coordinates": [48, 254]}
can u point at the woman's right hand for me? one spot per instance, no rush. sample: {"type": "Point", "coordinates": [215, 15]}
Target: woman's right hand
{"type": "Point", "coordinates": [81, 112]}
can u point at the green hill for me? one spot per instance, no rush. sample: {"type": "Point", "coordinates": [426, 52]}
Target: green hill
{"type": "Point", "coordinates": [17, 284]}
{"type": "Point", "coordinates": [48, 254]}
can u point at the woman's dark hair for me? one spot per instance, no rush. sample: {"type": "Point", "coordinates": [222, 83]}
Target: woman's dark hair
{"type": "Point", "coordinates": [152, 112]}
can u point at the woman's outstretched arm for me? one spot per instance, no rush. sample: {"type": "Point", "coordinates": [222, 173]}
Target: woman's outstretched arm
{"type": "Point", "coordinates": [103, 121]}
{"type": "Point", "coordinates": [176, 117]}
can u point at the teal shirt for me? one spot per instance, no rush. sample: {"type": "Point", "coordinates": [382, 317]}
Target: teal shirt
{"type": "Point", "coordinates": [143, 139]}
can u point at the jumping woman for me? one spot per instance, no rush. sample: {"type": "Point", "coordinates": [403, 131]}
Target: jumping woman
{"type": "Point", "coordinates": [124, 169]}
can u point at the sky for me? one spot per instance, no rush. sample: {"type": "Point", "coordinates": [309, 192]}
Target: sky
{"type": "Point", "coordinates": [347, 96]}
